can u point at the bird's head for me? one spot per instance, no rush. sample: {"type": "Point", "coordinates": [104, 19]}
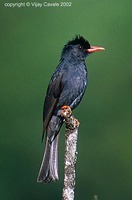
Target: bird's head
{"type": "Point", "coordinates": [78, 49]}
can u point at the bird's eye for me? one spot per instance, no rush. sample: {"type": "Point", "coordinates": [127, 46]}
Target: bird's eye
{"type": "Point", "coordinates": [80, 47]}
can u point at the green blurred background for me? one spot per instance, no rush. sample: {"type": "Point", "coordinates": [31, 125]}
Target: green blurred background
{"type": "Point", "coordinates": [31, 40]}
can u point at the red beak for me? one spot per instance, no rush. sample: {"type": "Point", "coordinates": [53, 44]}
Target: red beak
{"type": "Point", "coordinates": [94, 49]}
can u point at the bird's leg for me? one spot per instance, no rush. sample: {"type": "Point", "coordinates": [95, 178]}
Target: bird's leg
{"type": "Point", "coordinates": [66, 111]}
{"type": "Point", "coordinates": [71, 122]}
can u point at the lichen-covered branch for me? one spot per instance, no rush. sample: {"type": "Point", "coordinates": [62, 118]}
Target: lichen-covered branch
{"type": "Point", "coordinates": [72, 125]}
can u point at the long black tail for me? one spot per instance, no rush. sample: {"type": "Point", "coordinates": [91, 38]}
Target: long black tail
{"type": "Point", "coordinates": [49, 166]}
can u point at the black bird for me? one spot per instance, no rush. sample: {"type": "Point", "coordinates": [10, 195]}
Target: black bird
{"type": "Point", "coordinates": [66, 88]}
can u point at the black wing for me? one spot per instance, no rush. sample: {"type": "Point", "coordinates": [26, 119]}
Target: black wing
{"type": "Point", "coordinates": [51, 99]}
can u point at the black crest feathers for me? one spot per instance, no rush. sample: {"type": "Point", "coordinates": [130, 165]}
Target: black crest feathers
{"type": "Point", "coordinates": [78, 40]}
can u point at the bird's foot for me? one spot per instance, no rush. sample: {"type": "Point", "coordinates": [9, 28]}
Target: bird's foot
{"type": "Point", "coordinates": [66, 111]}
{"type": "Point", "coordinates": [71, 122]}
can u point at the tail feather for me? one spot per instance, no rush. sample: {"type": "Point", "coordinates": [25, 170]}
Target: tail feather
{"type": "Point", "coordinates": [54, 159]}
{"type": "Point", "coordinates": [49, 166]}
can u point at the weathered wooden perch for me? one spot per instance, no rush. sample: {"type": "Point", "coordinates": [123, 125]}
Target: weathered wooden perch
{"type": "Point", "coordinates": [72, 125]}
